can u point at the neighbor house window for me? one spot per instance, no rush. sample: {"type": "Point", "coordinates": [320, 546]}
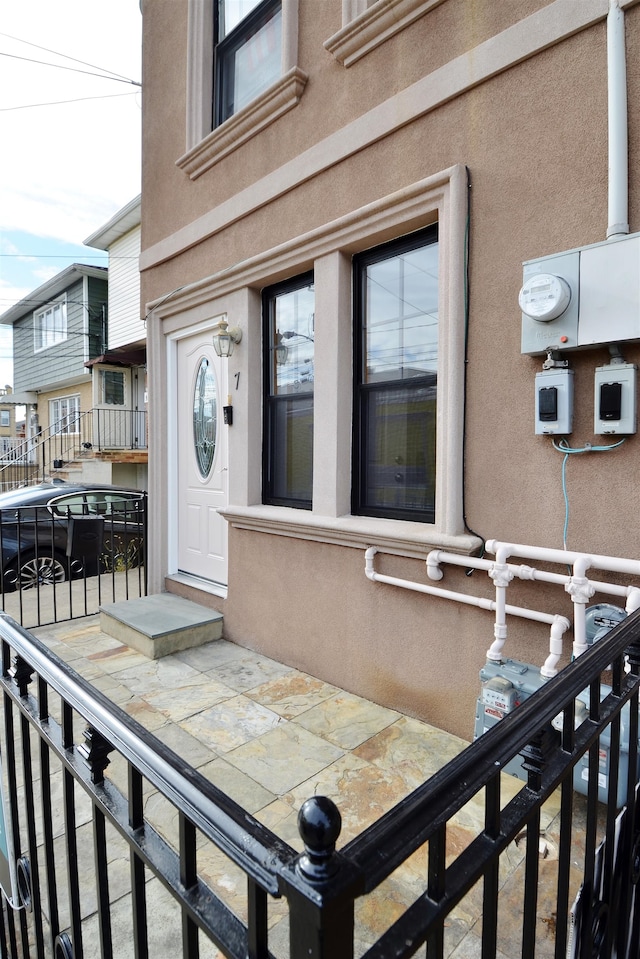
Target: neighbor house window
{"type": "Point", "coordinates": [248, 52]}
{"type": "Point", "coordinates": [396, 366]}
{"type": "Point", "coordinates": [289, 311]}
{"type": "Point", "coordinates": [112, 387]}
{"type": "Point", "coordinates": [5, 418]}
{"type": "Point", "coordinates": [64, 414]}
{"type": "Point", "coordinates": [50, 326]}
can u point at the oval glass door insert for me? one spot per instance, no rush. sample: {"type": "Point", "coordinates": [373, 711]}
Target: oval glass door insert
{"type": "Point", "coordinates": [205, 415]}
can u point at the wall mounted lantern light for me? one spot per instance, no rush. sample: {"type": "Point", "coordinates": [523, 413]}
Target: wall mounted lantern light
{"type": "Point", "coordinates": [225, 339]}
{"type": "Point", "coordinates": [281, 351]}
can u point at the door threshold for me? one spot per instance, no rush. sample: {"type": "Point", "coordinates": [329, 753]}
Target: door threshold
{"type": "Point", "coordinates": [198, 582]}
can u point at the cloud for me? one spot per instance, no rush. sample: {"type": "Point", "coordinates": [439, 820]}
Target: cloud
{"type": "Point", "coordinates": [66, 168]}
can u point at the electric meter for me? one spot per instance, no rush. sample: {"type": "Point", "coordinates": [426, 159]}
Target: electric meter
{"type": "Point", "coordinates": [544, 297]}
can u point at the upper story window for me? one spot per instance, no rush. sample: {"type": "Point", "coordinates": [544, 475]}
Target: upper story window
{"type": "Point", "coordinates": [248, 53]}
{"type": "Point", "coordinates": [50, 326]}
{"type": "Point", "coordinates": [288, 315]}
{"type": "Point", "coordinates": [242, 75]}
{"type": "Point", "coordinates": [5, 418]}
{"type": "Point", "coordinates": [396, 356]}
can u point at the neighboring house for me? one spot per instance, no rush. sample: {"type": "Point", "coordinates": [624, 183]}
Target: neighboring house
{"type": "Point", "coordinates": [119, 373]}
{"type": "Point", "coordinates": [7, 414]}
{"type": "Point", "coordinates": [358, 189]}
{"type": "Point", "coordinates": [58, 330]}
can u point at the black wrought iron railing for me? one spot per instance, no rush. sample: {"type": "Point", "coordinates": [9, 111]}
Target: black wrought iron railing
{"type": "Point", "coordinates": [79, 434]}
{"type": "Point", "coordinates": [63, 562]}
{"type": "Point", "coordinates": [87, 789]}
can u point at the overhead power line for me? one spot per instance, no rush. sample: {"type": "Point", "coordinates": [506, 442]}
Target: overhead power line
{"type": "Point", "coordinates": [61, 66]}
{"type": "Point", "coordinates": [65, 56]}
{"type": "Point", "coordinates": [53, 103]}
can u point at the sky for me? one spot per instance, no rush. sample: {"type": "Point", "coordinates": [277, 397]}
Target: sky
{"type": "Point", "coordinates": [70, 156]}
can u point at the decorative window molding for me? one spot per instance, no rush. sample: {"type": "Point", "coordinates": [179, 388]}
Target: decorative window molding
{"type": "Point", "coordinates": [373, 26]}
{"type": "Point", "coordinates": [242, 126]}
{"type": "Point", "coordinates": [442, 198]}
{"type": "Point", "coordinates": [205, 146]}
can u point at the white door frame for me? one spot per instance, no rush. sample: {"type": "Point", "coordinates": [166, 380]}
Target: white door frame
{"type": "Point", "coordinates": [172, 340]}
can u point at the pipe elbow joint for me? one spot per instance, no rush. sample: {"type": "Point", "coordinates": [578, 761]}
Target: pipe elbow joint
{"type": "Point", "coordinates": [434, 570]}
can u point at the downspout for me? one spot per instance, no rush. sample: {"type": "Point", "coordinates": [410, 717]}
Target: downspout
{"type": "Point", "coordinates": [617, 123]}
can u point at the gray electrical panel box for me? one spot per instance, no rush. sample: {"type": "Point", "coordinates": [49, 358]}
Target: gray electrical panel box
{"type": "Point", "coordinates": [582, 298]}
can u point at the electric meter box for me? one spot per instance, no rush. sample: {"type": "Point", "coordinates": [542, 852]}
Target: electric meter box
{"type": "Point", "coordinates": [582, 298]}
{"type": "Point", "coordinates": [506, 685]}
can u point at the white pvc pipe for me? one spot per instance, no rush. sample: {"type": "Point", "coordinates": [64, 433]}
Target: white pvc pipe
{"type": "Point", "coordinates": [614, 564]}
{"type": "Point", "coordinates": [558, 629]}
{"type": "Point", "coordinates": [438, 556]}
{"type": "Point", "coordinates": [494, 653]}
{"type": "Point", "coordinates": [617, 123]}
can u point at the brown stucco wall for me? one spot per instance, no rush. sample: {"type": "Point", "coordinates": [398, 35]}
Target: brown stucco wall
{"type": "Point", "coordinates": [534, 139]}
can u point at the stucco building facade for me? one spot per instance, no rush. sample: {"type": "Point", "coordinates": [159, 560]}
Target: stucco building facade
{"type": "Point", "coordinates": [355, 188]}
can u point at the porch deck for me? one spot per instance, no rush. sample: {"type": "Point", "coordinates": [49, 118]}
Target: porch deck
{"type": "Point", "coordinates": [271, 737]}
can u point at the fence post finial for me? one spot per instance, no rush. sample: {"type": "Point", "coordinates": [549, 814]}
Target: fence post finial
{"type": "Point", "coordinates": [319, 824]}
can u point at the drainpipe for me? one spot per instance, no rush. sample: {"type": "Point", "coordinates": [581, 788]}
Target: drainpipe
{"type": "Point", "coordinates": [617, 123]}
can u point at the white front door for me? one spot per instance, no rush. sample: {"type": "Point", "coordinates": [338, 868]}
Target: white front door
{"type": "Point", "coordinates": [202, 459]}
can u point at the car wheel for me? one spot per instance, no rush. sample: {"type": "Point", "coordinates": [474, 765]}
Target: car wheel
{"type": "Point", "coordinates": [37, 571]}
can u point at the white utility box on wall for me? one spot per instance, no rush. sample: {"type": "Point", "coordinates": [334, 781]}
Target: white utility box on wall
{"type": "Point", "coordinates": [582, 298]}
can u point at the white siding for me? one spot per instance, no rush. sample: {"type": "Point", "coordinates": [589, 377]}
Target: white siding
{"type": "Point", "coordinates": [125, 325]}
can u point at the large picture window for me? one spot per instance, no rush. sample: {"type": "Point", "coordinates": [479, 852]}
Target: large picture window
{"type": "Point", "coordinates": [288, 311]}
{"type": "Point", "coordinates": [396, 367]}
{"type": "Point", "coordinates": [50, 326]}
{"type": "Point", "coordinates": [248, 52]}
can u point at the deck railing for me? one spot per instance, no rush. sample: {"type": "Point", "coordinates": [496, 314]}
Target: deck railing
{"type": "Point", "coordinates": [75, 819]}
{"type": "Point", "coordinates": [31, 460]}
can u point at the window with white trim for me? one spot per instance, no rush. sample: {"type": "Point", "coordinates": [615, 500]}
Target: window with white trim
{"type": "Point", "coordinates": [5, 418]}
{"type": "Point", "coordinates": [50, 326]}
{"type": "Point", "coordinates": [64, 414]}
{"type": "Point", "coordinates": [395, 378]}
{"type": "Point", "coordinates": [248, 52]}
{"type": "Point", "coordinates": [242, 75]}
{"type": "Point", "coordinates": [112, 383]}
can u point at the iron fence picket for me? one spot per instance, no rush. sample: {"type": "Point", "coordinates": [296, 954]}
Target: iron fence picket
{"type": "Point", "coordinates": [321, 885]}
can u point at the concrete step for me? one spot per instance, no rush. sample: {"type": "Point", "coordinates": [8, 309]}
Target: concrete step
{"type": "Point", "coordinates": [161, 624]}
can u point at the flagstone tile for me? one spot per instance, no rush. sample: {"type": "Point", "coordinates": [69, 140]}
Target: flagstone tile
{"type": "Point", "coordinates": [293, 694]}
{"type": "Point", "coordinates": [243, 789]}
{"type": "Point", "coordinates": [149, 717]}
{"type": "Point", "coordinates": [231, 723]}
{"type": "Point", "coordinates": [249, 671]}
{"type": "Point", "coordinates": [414, 747]}
{"type": "Point", "coordinates": [211, 655]}
{"type": "Point", "coordinates": [284, 757]}
{"type": "Point", "coordinates": [190, 749]}
{"type": "Point", "coordinates": [362, 792]}
{"type": "Point", "coordinates": [179, 703]}
{"type": "Point", "coordinates": [282, 819]}
{"type": "Point", "coordinates": [347, 720]}
{"type": "Point", "coordinates": [158, 674]}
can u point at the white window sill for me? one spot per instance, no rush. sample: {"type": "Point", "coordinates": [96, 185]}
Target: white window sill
{"type": "Point", "coordinates": [279, 98]}
{"type": "Point", "coordinates": [389, 535]}
{"type": "Point", "coordinates": [375, 25]}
